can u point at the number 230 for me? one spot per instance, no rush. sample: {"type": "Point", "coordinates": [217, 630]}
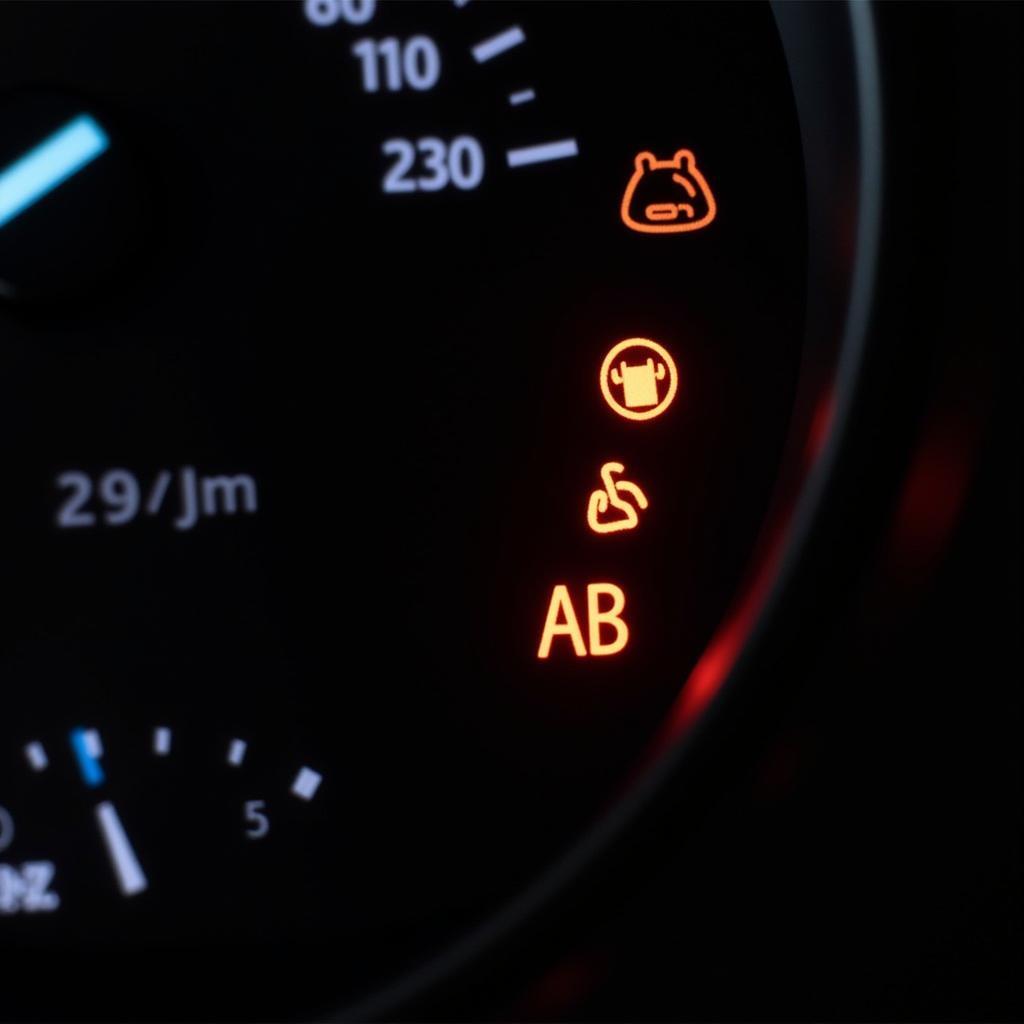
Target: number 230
{"type": "Point", "coordinates": [459, 163]}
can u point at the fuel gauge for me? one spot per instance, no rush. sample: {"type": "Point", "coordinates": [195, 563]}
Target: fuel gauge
{"type": "Point", "coordinates": [179, 817]}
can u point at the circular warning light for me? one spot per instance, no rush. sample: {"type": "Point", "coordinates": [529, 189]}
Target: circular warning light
{"type": "Point", "coordinates": [639, 379]}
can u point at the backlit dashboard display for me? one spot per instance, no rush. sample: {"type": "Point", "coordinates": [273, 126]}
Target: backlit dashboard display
{"type": "Point", "coordinates": [394, 397]}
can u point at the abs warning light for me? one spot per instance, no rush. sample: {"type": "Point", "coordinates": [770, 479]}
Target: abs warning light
{"type": "Point", "coordinates": [639, 379]}
{"type": "Point", "coordinates": [607, 631]}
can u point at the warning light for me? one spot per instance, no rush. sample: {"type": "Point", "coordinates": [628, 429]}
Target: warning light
{"type": "Point", "coordinates": [639, 379]}
{"type": "Point", "coordinates": [561, 621]}
{"type": "Point", "coordinates": [612, 498]}
{"type": "Point", "coordinates": [667, 196]}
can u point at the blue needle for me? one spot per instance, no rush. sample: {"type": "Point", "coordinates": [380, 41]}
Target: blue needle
{"type": "Point", "coordinates": [49, 164]}
{"type": "Point", "coordinates": [86, 746]}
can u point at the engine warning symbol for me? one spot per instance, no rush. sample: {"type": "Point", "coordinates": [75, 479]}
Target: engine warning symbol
{"type": "Point", "coordinates": [639, 379]}
{"type": "Point", "coordinates": [666, 197]}
{"type": "Point", "coordinates": [615, 507]}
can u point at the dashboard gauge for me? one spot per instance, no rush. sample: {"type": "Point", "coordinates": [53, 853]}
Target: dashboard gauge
{"type": "Point", "coordinates": [404, 408]}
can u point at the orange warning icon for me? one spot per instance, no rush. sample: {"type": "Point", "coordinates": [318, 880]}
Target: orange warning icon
{"type": "Point", "coordinates": [639, 379]}
{"type": "Point", "coordinates": [562, 621]}
{"type": "Point", "coordinates": [614, 496]}
{"type": "Point", "coordinates": [667, 196]}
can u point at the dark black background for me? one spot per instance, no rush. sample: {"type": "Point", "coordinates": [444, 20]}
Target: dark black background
{"type": "Point", "coordinates": [867, 864]}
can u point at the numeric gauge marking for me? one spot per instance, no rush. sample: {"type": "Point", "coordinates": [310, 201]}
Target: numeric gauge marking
{"type": "Point", "coordinates": [306, 783]}
{"type": "Point", "coordinates": [459, 163]}
{"type": "Point", "coordinates": [498, 44]}
{"type": "Point", "coordinates": [35, 754]}
{"type": "Point", "coordinates": [161, 741]}
{"type": "Point", "coordinates": [24, 888]}
{"type": "Point", "coordinates": [327, 12]}
{"type": "Point", "coordinates": [414, 62]}
{"type": "Point", "coordinates": [257, 824]}
{"type": "Point", "coordinates": [542, 153]}
{"type": "Point", "coordinates": [236, 753]}
{"type": "Point", "coordinates": [521, 96]}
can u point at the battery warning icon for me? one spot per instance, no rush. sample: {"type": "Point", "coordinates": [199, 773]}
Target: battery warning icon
{"type": "Point", "coordinates": [639, 379]}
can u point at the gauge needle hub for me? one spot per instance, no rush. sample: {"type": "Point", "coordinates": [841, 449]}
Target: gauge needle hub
{"type": "Point", "coordinates": [131, 879]}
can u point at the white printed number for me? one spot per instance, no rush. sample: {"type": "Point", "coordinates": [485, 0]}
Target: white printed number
{"type": "Point", "coordinates": [118, 489]}
{"type": "Point", "coordinates": [323, 13]}
{"type": "Point", "coordinates": [431, 164]}
{"type": "Point", "coordinates": [26, 888]}
{"type": "Point", "coordinates": [413, 62]}
{"type": "Point", "coordinates": [257, 824]}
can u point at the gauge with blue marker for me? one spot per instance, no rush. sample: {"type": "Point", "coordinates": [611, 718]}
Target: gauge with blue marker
{"type": "Point", "coordinates": [75, 206]}
{"type": "Point", "coordinates": [46, 166]}
{"type": "Point", "coordinates": [399, 404]}
{"type": "Point", "coordinates": [80, 760]}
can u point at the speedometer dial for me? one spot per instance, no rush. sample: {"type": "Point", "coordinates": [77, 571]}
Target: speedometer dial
{"type": "Point", "coordinates": [395, 398]}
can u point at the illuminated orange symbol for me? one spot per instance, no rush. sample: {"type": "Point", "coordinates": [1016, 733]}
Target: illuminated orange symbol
{"type": "Point", "coordinates": [561, 621]}
{"type": "Point", "coordinates": [667, 196]}
{"type": "Point", "coordinates": [639, 379]}
{"type": "Point", "coordinates": [612, 498]}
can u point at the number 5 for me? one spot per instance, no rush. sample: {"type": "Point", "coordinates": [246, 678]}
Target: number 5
{"type": "Point", "coordinates": [258, 823]}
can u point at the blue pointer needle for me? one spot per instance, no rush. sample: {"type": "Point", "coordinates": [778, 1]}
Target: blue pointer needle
{"type": "Point", "coordinates": [49, 164]}
{"type": "Point", "coordinates": [85, 743]}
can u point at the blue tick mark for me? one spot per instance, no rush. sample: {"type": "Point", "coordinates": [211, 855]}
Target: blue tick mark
{"type": "Point", "coordinates": [87, 749]}
{"type": "Point", "coordinates": [49, 164]}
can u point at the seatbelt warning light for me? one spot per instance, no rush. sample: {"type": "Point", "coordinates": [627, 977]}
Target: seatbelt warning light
{"type": "Point", "coordinates": [622, 496]}
{"type": "Point", "coordinates": [607, 631]}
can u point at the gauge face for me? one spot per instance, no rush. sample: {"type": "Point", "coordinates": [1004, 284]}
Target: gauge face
{"type": "Point", "coordinates": [393, 398]}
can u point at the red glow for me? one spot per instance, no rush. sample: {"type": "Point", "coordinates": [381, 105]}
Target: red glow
{"type": "Point", "coordinates": [821, 424]}
{"type": "Point", "coordinates": [719, 657]}
{"type": "Point", "coordinates": [932, 498]}
{"type": "Point", "coordinates": [721, 653]}
{"type": "Point", "coordinates": [563, 987]}
{"type": "Point", "coordinates": [930, 504]}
